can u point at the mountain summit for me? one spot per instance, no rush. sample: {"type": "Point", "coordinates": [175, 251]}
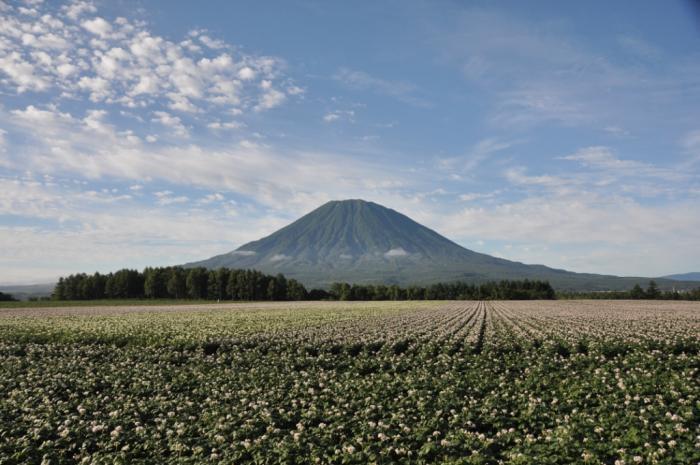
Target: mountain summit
{"type": "Point", "coordinates": [363, 242]}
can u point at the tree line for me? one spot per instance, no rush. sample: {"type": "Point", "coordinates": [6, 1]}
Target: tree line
{"type": "Point", "coordinates": [495, 290]}
{"type": "Point", "coordinates": [175, 282]}
{"type": "Point", "coordinates": [250, 285]}
{"type": "Point", "coordinates": [652, 292]}
{"type": "Point", "coordinates": [4, 297]}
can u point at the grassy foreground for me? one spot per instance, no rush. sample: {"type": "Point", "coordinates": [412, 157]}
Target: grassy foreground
{"type": "Point", "coordinates": [391, 382]}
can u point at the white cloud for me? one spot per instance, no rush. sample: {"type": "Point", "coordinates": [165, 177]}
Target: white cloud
{"type": "Point", "coordinates": [24, 75]}
{"type": "Point", "coordinates": [481, 151]}
{"type": "Point", "coordinates": [279, 257]}
{"type": "Point", "coordinates": [77, 8]}
{"type": "Point", "coordinates": [98, 26]}
{"type": "Point", "coordinates": [79, 234]}
{"type": "Point", "coordinates": [397, 252]}
{"type": "Point", "coordinates": [477, 196]}
{"type": "Point", "coordinates": [338, 115]}
{"type": "Point", "coordinates": [167, 198]}
{"type": "Point", "coordinates": [602, 158]}
{"type": "Point", "coordinates": [545, 73]}
{"type": "Point", "coordinates": [270, 99]}
{"type": "Point", "coordinates": [210, 198]}
{"type": "Point", "coordinates": [246, 73]}
{"type": "Point", "coordinates": [212, 43]}
{"type": "Point", "coordinates": [611, 233]}
{"type": "Point", "coordinates": [616, 130]}
{"type": "Point", "coordinates": [76, 51]}
{"type": "Point", "coordinates": [216, 125]}
{"type": "Point", "coordinates": [68, 146]}
{"type": "Point", "coordinates": [173, 122]}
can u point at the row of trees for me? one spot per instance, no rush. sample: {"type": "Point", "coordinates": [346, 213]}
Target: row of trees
{"type": "Point", "coordinates": [226, 284]}
{"type": "Point", "coordinates": [6, 297]}
{"type": "Point", "coordinates": [637, 293]}
{"type": "Point", "coordinates": [501, 290]}
{"type": "Point", "coordinates": [179, 283]}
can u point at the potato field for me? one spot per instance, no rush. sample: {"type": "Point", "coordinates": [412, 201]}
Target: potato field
{"type": "Point", "coordinates": [536, 382]}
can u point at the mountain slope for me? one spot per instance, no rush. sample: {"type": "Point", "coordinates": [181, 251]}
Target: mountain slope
{"type": "Point", "coordinates": [363, 242]}
{"type": "Point", "coordinates": [684, 276]}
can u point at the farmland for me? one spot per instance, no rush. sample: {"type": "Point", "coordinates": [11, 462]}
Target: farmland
{"type": "Point", "coordinates": [599, 382]}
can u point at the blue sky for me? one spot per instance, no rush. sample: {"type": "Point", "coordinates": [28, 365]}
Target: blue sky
{"type": "Point", "coordinates": [154, 133]}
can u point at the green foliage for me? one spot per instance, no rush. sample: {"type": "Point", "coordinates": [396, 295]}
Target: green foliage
{"type": "Point", "coordinates": [250, 285]}
{"type": "Point", "coordinates": [502, 290]}
{"type": "Point", "coordinates": [6, 297]}
{"type": "Point", "coordinates": [636, 293]}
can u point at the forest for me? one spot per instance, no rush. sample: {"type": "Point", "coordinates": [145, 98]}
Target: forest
{"type": "Point", "coordinates": [251, 285]}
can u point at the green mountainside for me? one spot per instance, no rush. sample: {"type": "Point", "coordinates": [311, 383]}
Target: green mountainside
{"type": "Point", "coordinates": [684, 276]}
{"type": "Point", "coordinates": [362, 242]}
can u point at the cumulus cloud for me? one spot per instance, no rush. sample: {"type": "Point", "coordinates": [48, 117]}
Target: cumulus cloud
{"type": "Point", "coordinates": [74, 50]}
{"type": "Point", "coordinates": [98, 26]}
{"type": "Point", "coordinates": [271, 98]}
{"type": "Point", "coordinates": [170, 121]}
{"type": "Point", "coordinates": [279, 257]}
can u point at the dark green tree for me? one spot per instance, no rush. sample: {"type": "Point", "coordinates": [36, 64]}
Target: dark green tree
{"type": "Point", "coordinates": [176, 285]}
{"type": "Point", "coordinates": [196, 283]}
{"type": "Point", "coordinates": [637, 292]}
{"type": "Point", "coordinates": [652, 291]}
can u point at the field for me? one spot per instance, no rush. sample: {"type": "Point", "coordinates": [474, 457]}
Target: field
{"type": "Point", "coordinates": [591, 382]}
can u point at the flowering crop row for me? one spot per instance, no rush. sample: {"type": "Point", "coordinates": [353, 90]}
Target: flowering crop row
{"type": "Point", "coordinates": [339, 383]}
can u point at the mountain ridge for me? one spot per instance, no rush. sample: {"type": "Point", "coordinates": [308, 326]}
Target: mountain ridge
{"type": "Point", "coordinates": [363, 242]}
{"type": "Point", "coordinates": [692, 276]}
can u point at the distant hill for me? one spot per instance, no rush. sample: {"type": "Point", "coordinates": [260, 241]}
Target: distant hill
{"type": "Point", "coordinates": [363, 242]}
{"type": "Point", "coordinates": [24, 292]}
{"type": "Point", "coordinates": [684, 276]}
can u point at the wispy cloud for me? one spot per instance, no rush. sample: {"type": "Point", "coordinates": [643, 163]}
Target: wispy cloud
{"type": "Point", "coordinates": [339, 115]}
{"type": "Point", "coordinates": [70, 146]}
{"type": "Point", "coordinates": [544, 73]}
{"type": "Point", "coordinates": [477, 154]}
{"type": "Point", "coordinates": [400, 90]}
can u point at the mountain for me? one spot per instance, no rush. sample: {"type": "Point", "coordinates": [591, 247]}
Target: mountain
{"type": "Point", "coordinates": [684, 276]}
{"type": "Point", "coordinates": [27, 291]}
{"type": "Point", "coordinates": [362, 242]}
